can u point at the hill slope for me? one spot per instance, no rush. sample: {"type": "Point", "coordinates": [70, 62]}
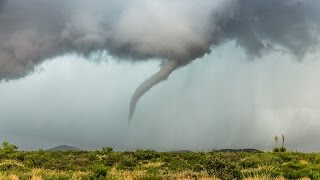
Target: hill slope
{"type": "Point", "coordinates": [64, 148]}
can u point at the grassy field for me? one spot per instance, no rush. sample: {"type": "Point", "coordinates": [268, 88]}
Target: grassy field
{"type": "Point", "coordinates": [108, 164]}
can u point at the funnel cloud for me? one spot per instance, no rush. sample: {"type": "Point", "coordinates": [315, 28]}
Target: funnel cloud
{"type": "Point", "coordinates": [166, 69]}
{"type": "Point", "coordinates": [172, 32]}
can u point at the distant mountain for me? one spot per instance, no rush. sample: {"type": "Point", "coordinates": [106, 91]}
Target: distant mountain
{"type": "Point", "coordinates": [239, 150]}
{"type": "Point", "coordinates": [64, 148]}
{"type": "Point", "coordinates": [180, 151]}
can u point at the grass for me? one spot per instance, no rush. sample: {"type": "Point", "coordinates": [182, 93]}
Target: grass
{"type": "Point", "coordinates": [145, 165]}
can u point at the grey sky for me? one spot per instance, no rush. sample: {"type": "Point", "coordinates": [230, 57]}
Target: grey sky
{"type": "Point", "coordinates": [220, 101]}
{"type": "Point", "coordinates": [242, 72]}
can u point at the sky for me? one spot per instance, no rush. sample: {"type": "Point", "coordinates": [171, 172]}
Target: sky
{"type": "Point", "coordinates": [222, 100]}
{"type": "Point", "coordinates": [190, 75]}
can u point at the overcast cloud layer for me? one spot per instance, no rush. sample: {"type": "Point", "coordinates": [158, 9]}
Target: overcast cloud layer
{"type": "Point", "coordinates": [220, 101]}
{"type": "Point", "coordinates": [35, 30]}
{"type": "Point", "coordinates": [172, 32]}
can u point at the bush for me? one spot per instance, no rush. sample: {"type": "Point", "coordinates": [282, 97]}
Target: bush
{"type": "Point", "coordinates": [112, 159]}
{"type": "Point", "coordinates": [128, 163]}
{"type": "Point", "coordinates": [99, 171]}
{"type": "Point", "coordinates": [7, 149]}
{"type": "Point", "coordinates": [107, 149]}
{"type": "Point", "coordinates": [146, 155]}
{"type": "Point", "coordinates": [12, 166]}
{"type": "Point", "coordinates": [250, 163]}
{"type": "Point", "coordinates": [222, 169]}
{"type": "Point", "coordinates": [177, 164]}
{"type": "Point", "coordinates": [152, 170]}
{"type": "Point", "coordinates": [276, 150]}
{"type": "Point", "coordinates": [282, 149]}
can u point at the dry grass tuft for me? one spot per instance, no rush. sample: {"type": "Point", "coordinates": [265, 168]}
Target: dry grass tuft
{"type": "Point", "coordinates": [14, 177]}
{"type": "Point", "coordinates": [36, 177]}
{"type": "Point", "coordinates": [152, 164]}
{"type": "Point", "coordinates": [304, 162]}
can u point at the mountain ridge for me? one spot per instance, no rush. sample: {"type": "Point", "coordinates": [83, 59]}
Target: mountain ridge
{"type": "Point", "coordinates": [65, 148]}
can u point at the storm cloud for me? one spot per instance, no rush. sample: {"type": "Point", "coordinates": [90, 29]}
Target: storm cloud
{"type": "Point", "coordinates": [173, 32]}
{"type": "Point", "coordinates": [36, 30]}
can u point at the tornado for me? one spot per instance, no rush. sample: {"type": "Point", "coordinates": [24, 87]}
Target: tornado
{"type": "Point", "coordinates": [166, 69]}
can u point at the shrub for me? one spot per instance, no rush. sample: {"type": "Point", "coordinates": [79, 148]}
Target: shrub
{"type": "Point", "coordinates": [99, 171]}
{"type": "Point", "coordinates": [107, 149]}
{"type": "Point", "coordinates": [146, 155]}
{"type": "Point", "coordinates": [112, 159]}
{"type": "Point", "coordinates": [128, 163]}
{"type": "Point", "coordinates": [250, 163]}
{"type": "Point", "coordinates": [153, 170]}
{"type": "Point", "coordinates": [198, 167]}
{"type": "Point", "coordinates": [282, 149]}
{"type": "Point", "coordinates": [222, 169]}
{"type": "Point", "coordinates": [7, 149]}
{"type": "Point", "coordinates": [177, 164]}
{"type": "Point", "coordinates": [12, 166]}
{"type": "Point", "coordinates": [276, 149]}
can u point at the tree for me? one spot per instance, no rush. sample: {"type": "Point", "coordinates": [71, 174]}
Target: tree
{"type": "Point", "coordinates": [8, 148]}
{"type": "Point", "coordinates": [107, 149]}
{"type": "Point", "coordinates": [276, 139]}
{"type": "Point", "coordinates": [282, 149]}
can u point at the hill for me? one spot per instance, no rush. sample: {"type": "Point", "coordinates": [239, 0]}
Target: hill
{"type": "Point", "coordinates": [64, 148]}
{"type": "Point", "coordinates": [239, 150]}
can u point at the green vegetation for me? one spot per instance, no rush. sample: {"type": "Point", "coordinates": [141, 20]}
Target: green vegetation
{"type": "Point", "coordinates": [277, 148]}
{"type": "Point", "coordinates": [148, 164]}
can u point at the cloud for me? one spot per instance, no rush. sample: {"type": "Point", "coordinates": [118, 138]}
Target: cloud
{"type": "Point", "coordinates": [138, 30]}
{"type": "Point", "coordinates": [33, 31]}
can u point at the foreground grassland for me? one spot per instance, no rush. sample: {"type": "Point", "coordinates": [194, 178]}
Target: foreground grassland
{"type": "Point", "coordinates": [107, 164]}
